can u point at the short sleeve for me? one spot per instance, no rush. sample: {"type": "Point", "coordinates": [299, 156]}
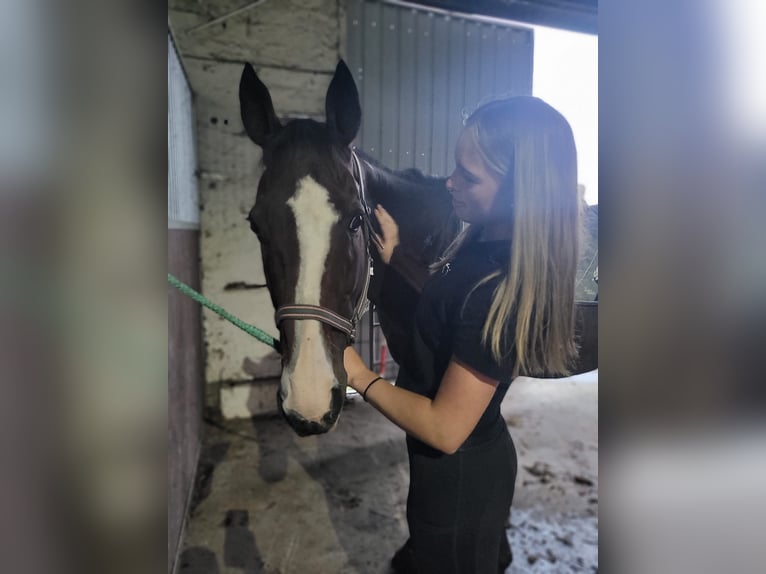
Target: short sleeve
{"type": "Point", "coordinates": [469, 323]}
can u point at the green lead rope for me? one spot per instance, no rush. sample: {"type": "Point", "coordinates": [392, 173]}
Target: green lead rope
{"type": "Point", "coordinates": [246, 327]}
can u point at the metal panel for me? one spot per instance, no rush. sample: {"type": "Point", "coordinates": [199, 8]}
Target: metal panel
{"type": "Point", "coordinates": [521, 63]}
{"type": "Point", "coordinates": [502, 69]}
{"type": "Point", "coordinates": [439, 100]}
{"type": "Point", "coordinates": [456, 102]}
{"type": "Point", "coordinates": [423, 90]}
{"type": "Point", "coordinates": [390, 75]}
{"type": "Point", "coordinates": [183, 202]}
{"type": "Point", "coordinates": [407, 75]}
{"type": "Point", "coordinates": [488, 57]}
{"type": "Point", "coordinates": [418, 73]}
{"type": "Point", "coordinates": [471, 70]}
{"type": "Point", "coordinates": [372, 102]}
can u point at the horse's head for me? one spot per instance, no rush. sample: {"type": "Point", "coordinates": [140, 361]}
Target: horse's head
{"type": "Point", "coordinates": [309, 220]}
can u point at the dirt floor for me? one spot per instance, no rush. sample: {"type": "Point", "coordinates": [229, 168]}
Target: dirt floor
{"type": "Point", "coordinates": [267, 501]}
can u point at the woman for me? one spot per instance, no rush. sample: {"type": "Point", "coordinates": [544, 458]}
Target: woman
{"type": "Point", "coordinates": [498, 304]}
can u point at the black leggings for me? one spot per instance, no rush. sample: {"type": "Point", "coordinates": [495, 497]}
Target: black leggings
{"type": "Point", "coordinates": [458, 505]}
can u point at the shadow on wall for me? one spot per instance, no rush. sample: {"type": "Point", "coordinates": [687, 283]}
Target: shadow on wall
{"type": "Point", "coordinates": [267, 366]}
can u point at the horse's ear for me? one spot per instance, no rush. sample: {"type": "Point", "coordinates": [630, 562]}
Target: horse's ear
{"type": "Point", "coordinates": [256, 108]}
{"type": "Point", "coordinates": [342, 109]}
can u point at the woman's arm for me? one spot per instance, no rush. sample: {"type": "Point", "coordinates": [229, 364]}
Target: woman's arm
{"type": "Point", "coordinates": [443, 423]}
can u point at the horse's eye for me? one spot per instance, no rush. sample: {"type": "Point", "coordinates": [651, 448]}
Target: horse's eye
{"type": "Point", "coordinates": [356, 222]}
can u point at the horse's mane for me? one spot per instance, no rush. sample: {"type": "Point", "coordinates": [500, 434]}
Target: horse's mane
{"type": "Point", "coordinates": [414, 175]}
{"type": "Point", "coordinates": [408, 181]}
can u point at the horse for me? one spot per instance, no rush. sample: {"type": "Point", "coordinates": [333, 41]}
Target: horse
{"type": "Point", "coordinates": [312, 216]}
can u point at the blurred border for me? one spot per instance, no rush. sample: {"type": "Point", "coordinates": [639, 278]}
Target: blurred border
{"type": "Point", "coordinates": [682, 286]}
{"type": "Point", "coordinates": [83, 313]}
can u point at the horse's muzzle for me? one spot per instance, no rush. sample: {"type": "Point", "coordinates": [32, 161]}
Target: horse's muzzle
{"type": "Point", "coordinates": [304, 427]}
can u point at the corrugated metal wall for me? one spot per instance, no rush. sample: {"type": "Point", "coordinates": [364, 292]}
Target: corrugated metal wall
{"type": "Point", "coordinates": [183, 203]}
{"type": "Point", "coordinates": [418, 71]}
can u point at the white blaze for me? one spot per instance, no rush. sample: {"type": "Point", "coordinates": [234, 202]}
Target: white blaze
{"type": "Point", "coordinates": [309, 377]}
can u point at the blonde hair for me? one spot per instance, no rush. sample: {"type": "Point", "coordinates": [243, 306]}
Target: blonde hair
{"type": "Point", "coordinates": [531, 146]}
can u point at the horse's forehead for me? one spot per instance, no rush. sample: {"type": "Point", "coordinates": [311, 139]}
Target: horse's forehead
{"type": "Point", "coordinates": [303, 140]}
{"type": "Point", "coordinates": [290, 174]}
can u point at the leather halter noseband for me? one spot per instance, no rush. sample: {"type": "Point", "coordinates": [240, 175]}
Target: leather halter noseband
{"type": "Point", "coordinates": [301, 312]}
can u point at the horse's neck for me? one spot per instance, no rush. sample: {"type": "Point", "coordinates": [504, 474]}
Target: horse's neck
{"type": "Point", "coordinates": [397, 192]}
{"type": "Point", "coordinates": [419, 204]}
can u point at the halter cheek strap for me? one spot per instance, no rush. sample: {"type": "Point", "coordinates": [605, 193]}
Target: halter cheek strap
{"type": "Point", "coordinates": [360, 183]}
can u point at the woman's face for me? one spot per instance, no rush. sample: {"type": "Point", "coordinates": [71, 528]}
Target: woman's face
{"type": "Point", "coordinates": [473, 185]}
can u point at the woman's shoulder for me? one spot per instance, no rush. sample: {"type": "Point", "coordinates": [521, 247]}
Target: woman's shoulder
{"type": "Point", "coordinates": [476, 297]}
{"type": "Point", "coordinates": [483, 265]}
{"type": "Point", "coordinates": [469, 344]}
{"type": "Point", "coordinates": [482, 257]}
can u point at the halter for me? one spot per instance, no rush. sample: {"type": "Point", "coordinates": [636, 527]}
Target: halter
{"type": "Point", "coordinates": [359, 179]}
{"type": "Point", "coordinates": [300, 312]}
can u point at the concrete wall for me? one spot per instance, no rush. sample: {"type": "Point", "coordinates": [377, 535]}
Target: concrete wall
{"type": "Point", "coordinates": [294, 46]}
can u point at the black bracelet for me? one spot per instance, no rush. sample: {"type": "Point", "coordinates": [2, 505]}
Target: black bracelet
{"type": "Point", "coordinates": [367, 388]}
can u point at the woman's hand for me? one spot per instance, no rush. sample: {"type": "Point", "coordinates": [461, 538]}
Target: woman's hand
{"type": "Point", "coordinates": [357, 372]}
{"type": "Point", "coordinates": [390, 238]}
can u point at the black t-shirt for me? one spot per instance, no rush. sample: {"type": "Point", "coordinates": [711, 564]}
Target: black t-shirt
{"type": "Point", "coordinates": [449, 319]}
